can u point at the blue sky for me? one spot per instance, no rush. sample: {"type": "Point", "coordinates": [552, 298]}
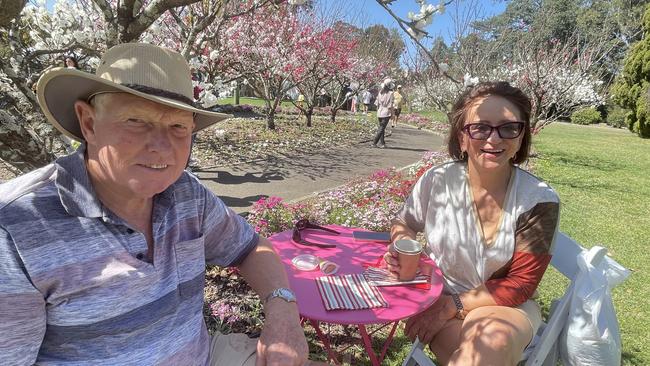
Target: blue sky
{"type": "Point", "coordinates": [368, 12]}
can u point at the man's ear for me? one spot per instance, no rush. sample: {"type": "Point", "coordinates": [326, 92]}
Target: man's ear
{"type": "Point", "coordinates": [87, 118]}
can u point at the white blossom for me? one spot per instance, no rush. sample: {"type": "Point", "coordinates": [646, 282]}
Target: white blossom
{"type": "Point", "coordinates": [469, 81]}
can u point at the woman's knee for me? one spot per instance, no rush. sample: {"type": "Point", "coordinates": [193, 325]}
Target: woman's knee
{"type": "Point", "coordinates": [489, 330]}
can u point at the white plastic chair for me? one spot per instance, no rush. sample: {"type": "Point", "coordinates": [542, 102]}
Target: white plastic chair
{"type": "Point", "coordinates": [545, 352]}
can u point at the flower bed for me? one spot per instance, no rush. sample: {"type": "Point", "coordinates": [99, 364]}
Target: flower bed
{"type": "Point", "coordinates": [420, 121]}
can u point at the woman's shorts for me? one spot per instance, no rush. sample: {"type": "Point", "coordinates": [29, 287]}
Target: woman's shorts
{"type": "Point", "coordinates": [398, 111]}
{"type": "Point", "coordinates": [533, 313]}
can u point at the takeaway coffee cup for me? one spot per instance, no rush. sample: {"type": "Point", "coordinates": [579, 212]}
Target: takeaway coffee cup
{"type": "Point", "coordinates": [408, 251]}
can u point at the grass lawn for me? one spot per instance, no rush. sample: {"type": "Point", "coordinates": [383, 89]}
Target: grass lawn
{"type": "Point", "coordinates": [251, 101]}
{"type": "Point", "coordinates": [434, 114]}
{"type": "Point", "coordinates": [602, 177]}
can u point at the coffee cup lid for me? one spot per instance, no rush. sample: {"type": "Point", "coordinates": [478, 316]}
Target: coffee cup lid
{"type": "Point", "coordinates": [407, 246]}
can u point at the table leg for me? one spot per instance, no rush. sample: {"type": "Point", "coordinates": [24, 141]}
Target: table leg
{"type": "Point", "coordinates": [325, 340]}
{"type": "Point", "coordinates": [389, 340]}
{"type": "Point", "coordinates": [368, 343]}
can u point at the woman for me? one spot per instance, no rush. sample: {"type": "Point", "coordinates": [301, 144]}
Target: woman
{"type": "Point", "coordinates": [384, 105]}
{"type": "Point", "coordinates": [70, 62]}
{"type": "Point", "coordinates": [489, 226]}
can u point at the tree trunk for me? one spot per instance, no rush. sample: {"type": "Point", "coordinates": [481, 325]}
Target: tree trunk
{"type": "Point", "coordinates": [237, 93]}
{"type": "Point", "coordinates": [270, 119]}
{"type": "Point", "coordinates": [333, 115]}
{"type": "Point", "coordinates": [19, 148]}
{"type": "Point", "coordinates": [308, 115]}
{"type": "Point", "coordinates": [10, 10]}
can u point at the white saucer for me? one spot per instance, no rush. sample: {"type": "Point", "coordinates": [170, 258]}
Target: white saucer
{"type": "Point", "coordinates": [305, 262]}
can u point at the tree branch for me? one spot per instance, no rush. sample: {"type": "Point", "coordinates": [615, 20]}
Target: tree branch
{"type": "Point", "coordinates": [401, 23]}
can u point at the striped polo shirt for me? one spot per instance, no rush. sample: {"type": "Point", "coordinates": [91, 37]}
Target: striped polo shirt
{"type": "Point", "coordinates": [75, 286]}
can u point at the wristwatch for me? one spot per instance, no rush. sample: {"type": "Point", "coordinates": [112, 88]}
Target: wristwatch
{"type": "Point", "coordinates": [460, 309]}
{"type": "Point", "coordinates": [283, 293]}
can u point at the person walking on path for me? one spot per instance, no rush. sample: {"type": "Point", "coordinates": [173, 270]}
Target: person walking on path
{"type": "Point", "coordinates": [353, 105]}
{"type": "Point", "coordinates": [384, 103]}
{"type": "Point", "coordinates": [103, 252]}
{"type": "Point", "coordinates": [367, 99]}
{"type": "Point", "coordinates": [397, 106]}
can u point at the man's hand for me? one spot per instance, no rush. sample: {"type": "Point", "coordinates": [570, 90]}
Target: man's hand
{"type": "Point", "coordinates": [282, 342]}
{"type": "Point", "coordinates": [428, 323]}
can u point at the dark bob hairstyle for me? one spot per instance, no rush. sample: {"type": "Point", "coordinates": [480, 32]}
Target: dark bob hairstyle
{"type": "Point", "coordinates": [502, 89]}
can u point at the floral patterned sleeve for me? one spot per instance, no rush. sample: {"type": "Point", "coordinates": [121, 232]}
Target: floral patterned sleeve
{"type": "Point", "coordinates": [516, 282]}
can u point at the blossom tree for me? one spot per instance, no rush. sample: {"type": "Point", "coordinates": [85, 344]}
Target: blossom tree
{"type": "Point", "coordinates": [323, 55]}
{"type": "Point", "coordinates": [559, 77]}
{"type": "Point", "coordinates": [363, 73]}
{"type": "Point", "coordinates": [36, 39]}
{"type": "Point", "coordinates": [261, 48]}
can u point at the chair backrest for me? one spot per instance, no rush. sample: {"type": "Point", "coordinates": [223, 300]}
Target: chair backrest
{"type": "Point", "coordinates": [565, 254]}
{"type": "Point", "coordinates": [565, 260]}
{"type": "Point", "coordinates": [417, 357]}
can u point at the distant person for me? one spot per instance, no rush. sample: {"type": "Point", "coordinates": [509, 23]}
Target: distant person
{"type": "Point", "coordinates": [397, 105]}
{"type": "Point", "coordinates": [301, 100]}
{"type": "Point", "coordinates": [197, 78]}
{"type": "Point", "coordinates": [71, 62]}
{"type": "Point", "coordinates": [367, 100]}
{"type": "Point", "coordinates": [384, 103]}
{"type": "Point", "coordinates": [324, 98]}
{"type": "Point", "coordinates": [354, 101]}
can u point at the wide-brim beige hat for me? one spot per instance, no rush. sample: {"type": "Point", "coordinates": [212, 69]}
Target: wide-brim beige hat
{"type": "Point", "coordinates": [147, 71]}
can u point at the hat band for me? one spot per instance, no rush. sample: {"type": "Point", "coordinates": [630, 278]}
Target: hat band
{"type": "Point", "coordinates": [151, 91]}
{"type": "Point", "coordinates": [161, 93]}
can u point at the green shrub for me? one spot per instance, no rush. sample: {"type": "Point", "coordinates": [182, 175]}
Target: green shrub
{"type": "Point", "coordinates": [616, 116]}
{"type": "Point", "coordinates": [631, 87]}
{"type": "Point", "coordinates": [586, 116]}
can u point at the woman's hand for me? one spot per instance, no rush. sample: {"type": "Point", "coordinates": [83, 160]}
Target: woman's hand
{"type": "Point", "coordinates": [392, 260]}
{"type": "Point", "coordinates": [427, 324]}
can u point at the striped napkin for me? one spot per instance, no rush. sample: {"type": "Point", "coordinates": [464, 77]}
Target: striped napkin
{"type": "Point", "coordinates": [383, 277]}
{"type": "Point", "coordinates": [349, 292]}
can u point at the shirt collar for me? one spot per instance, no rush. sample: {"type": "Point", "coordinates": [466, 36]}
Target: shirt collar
{"type": "Point", "coordinates": [78, 196]}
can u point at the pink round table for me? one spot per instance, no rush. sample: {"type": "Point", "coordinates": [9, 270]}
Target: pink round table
{"type": "Point", "coordinates": [351, 256]}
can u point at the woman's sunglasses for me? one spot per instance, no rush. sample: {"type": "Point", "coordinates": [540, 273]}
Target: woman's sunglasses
{"type": "Point", "coordinates": [483, 131]}
{"type": "Point", "coordinates": [305, 224]}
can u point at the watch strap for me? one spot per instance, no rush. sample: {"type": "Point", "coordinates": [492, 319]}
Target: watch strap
{"type": "Point", "coordinates": [460, 309]}
{"type": "Point", "coordinates": [282, 292]}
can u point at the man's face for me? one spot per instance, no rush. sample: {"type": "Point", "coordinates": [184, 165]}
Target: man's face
{"type": "Point", "coordinates": [136, 148]}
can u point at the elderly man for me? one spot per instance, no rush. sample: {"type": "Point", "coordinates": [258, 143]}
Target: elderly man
{"type": "Point", "coordinates": [103, 252]}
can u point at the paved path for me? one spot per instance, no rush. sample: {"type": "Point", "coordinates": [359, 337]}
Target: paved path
{"type": "Point", "coordinates": [294, 177]}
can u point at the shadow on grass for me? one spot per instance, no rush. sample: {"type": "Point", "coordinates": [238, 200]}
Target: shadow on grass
{"type": "Point", "coordinates": [583, 185]}
{"type": "Point", "coordinates": [590, 162]}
